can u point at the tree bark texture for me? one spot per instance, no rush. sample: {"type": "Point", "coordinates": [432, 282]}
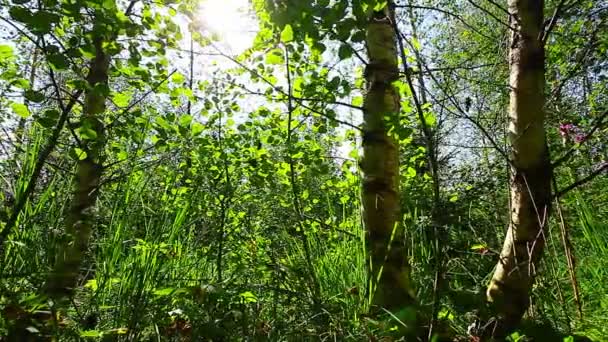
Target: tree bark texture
{"type": "Point", "coordinates": [390, 284]}
{"type": "Point", "coordinates": [530, 183]}
{"type": "Point", "coordinates": [80, 216]}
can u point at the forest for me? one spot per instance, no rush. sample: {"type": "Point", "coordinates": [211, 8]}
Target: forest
{"type": "Point", "coordinates": [304, 170]}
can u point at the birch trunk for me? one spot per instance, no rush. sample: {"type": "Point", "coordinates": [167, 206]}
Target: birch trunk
{"type": "Point", "coordinates": [509, 289]}
{"type": "Point", "coordinates": [390, 283]}
{"type": "Point", "coordinates": [79, 219]}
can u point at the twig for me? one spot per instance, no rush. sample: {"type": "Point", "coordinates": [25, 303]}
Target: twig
{"type": "Point", "coordinates": [587, 179]}
{"type": "Point", "coordinates": [547, 31]}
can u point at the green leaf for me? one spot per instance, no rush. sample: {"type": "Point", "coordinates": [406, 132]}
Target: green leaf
{"type": "Point", "coordinates": [411, 172]}
{"type": "Point", "coordinates": [357, 101]}
{"type": "Point", "coordinates": [164, 292]}
{"type": "Point", "coordinates": [197, 128]}
{"type": "Point", "coordinates": [21, 14]}
{"type": "Point", "coordinates": [91, 333]}
{"type": "Point", "coordinates": [287, 34]}
{"type": "Point", "coordinates": [185, 120]}
{"type": "Point", "coordinates": [34, 96]}
{"type": "Point", "coordinates": [122, 99]}
{"type": "Point", "coordinates": [91, 284]}
{"type": "Point", "coordinates": [78, 154]}
{"type": "Point", "coordinates": [274, 56]}
{"type": "Point", "coordinates": [48, 118]}
{"type": "Point", "coordinates": [478, 246]}
{"type": "Point", "coordinates": [21, 110]}
{"type": "Point", "coordinates": [380, 6]}
{"type": "Point", "coordinates": [430, 119]}
{"type": "Point", "coordinates": [345, 51]}
{"type": "Point", "coordinates": [178, 78]}
{"type": "Point", "coordinates": [87, 133]}
{"type": "Point", "coordinates": [445, 314]}
{"type": "Point", "coordinates": [58, 61]}
{"type": "Point", "coordinates": [6, 52]}
{"type": "Point", "coordinates": [248, 297]}
{"type": "Point", "coordinates": [21, 83]}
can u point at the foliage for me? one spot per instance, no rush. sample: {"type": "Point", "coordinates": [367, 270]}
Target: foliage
{"type": "Point", "coordinates": [229, 206]}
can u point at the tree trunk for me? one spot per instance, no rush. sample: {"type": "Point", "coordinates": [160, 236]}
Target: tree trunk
{"type": "Point", "coordinates": [390, 283]}
{"type": "Point", "coordinates": [78, 220]}
{"type": "Point", "coordinates": [510, 287]}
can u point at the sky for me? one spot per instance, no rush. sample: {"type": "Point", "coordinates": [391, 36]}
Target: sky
{"type": "Point", "coordinates": [232, 21]}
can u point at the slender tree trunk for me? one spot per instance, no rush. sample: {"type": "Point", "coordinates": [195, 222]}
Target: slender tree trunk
{"type": "Point", "coordinates": [79, 218]}
{"type": "Point", "coordinates": [509, 289]}
{"type": "Point", "coordinates": [390, 283]}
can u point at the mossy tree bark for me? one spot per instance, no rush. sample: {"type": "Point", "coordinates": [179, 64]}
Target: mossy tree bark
{"type": "Point", "coordinates": [509, 289]}
{"type": "Point", "coordinates": [390, 284]}
{"type": "Point", "coordinates": [79, 218]}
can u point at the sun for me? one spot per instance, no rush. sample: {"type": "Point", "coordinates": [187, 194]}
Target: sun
{"type": "Point", "coordinates": [231, 21]}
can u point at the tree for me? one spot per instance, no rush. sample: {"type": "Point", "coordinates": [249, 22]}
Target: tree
{"type": "Point", "coordinates": [79, 218]}
{"type": "Point", "coordinates": [530, 168]}
{"type": "Point", "coordinates": [390, 283]}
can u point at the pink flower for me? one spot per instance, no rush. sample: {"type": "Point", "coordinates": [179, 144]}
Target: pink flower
{"type": "Point", "coordinates": [565, 129]}
{"type": "Point", "coordinates": [579, 138]}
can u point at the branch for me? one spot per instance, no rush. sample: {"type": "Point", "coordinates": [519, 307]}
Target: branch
{"type": "Point", "coordinates": [504, 10]}
{"type": "Point", "coordinates": [448, 13]}
{"type": "Point", "coordinates": [277, 89]}
{"type": "Point", "coordinates": [587, 179]}
{"type": "Point", "coordinates": [556, 13]}
{"type": "Point", "coordinates": [596, 125]}
{"type": "Point", "coordinates": [492, 15]}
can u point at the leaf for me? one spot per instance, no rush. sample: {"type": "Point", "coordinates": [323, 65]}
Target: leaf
{"type": "Point", "coordinates": [58, 61]}
{"type": "Point", "coordinates": [20, 83]}
{"type": "Point", "coordinates": [345, 51]}
{"type": "Point", "coordinates": [6, 52]}
{"type": "Point", "coordinates": [478, 246]}
{"type": "Point", "coordinates": [274, 56]}
{"type": "Point", "coordinates": [248, 297]}
{"type": "Point", "coordinates": [91, 333]}
{"type": "Point", "coordinates": [164, 292]}
{"type": "Point", "coordinates": [454, 198]}
{"type": "Point", "coordinates": [21, 14]}
{"type": "Point", "coordinates": [34, 96]}
{"type": "Point", "coordinates": [48, 118]}
{"type": "Point", "coordinates": [445, 314]}
{"type": "Point", "coordinates": [122, 99]}
{"type": "Point", "coordinates": [87, 133]}
{"type": "Point", "coordinates": [78, 154]}
{"type": "Point", "coordinates": [287, 34]}
{"type": "Point", "coordinates": [197, 128]}
{"type": "Point", "coordinates": [178, 78]}
{"type": "Point", "coordinates": [380, 5]}
{"type": "Point", "coordinates": [185, 120]}
{"type": "Point", "coordinates": [357, 101]}
{"type": "Point", "coordinates": [411, 172]}
{"type": "Point", "coordinates": [21, 110]}
{"type": "Point", "coordinates": [91, 284]}
{"type": "Point", "coordinates": [430, 119]}
{"type": "Point", "coordinates": [39, 22]}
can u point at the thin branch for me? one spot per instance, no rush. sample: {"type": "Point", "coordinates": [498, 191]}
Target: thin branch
{"type": "Point", "coordinates": [450, 14]}
{"type": "Point", "coordinates": [491, 15]}
{"type": "Point", "coordinates": [279, 90]}
{"type": "Point", "coordinates": [597, 123]}
{"type": "Point", "coordinates": [554, 17]}
{"type": "Point", "coordinates": [582, 181]}
{"type": "Point", "coordinates": [497, 5]}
